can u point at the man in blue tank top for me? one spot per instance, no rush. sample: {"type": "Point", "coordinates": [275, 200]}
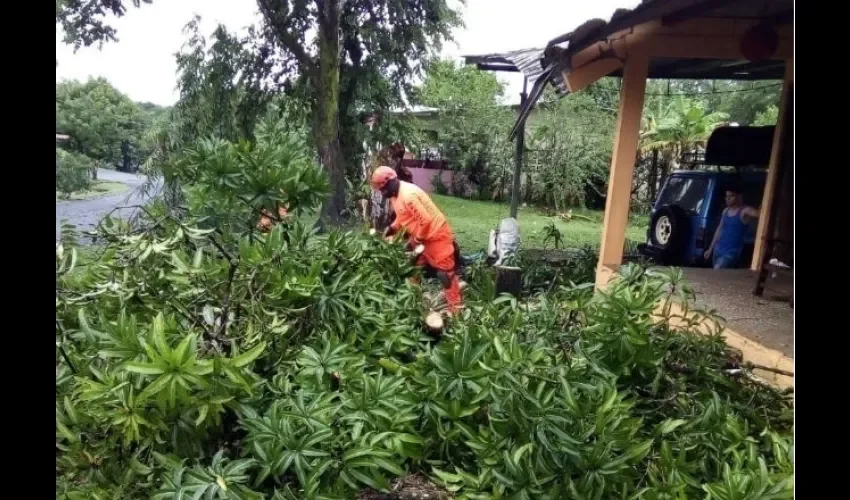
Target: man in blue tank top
{"type": "Point", "coordinates": [728, 241]}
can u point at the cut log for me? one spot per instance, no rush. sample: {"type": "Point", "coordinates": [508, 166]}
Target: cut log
{"type": "Point", "coordinates": [508, 280]}
{"type": "Point", "coordinates": [434, 323]}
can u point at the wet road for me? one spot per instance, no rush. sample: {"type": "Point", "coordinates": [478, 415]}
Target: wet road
{"type": "Point", "coordinates": [85, 214]}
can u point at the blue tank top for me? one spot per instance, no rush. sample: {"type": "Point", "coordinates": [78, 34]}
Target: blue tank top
{"type": "Point", "coordinates": [731, 240]}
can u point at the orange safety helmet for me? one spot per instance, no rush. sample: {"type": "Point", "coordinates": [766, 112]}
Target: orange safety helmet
{"type": "Point", "coordinates": [381, 176]}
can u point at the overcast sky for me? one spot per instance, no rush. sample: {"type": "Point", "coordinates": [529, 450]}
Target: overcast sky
{"type": "Point", "coordinates": [141, 63]}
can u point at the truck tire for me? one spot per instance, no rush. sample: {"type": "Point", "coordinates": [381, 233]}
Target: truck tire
{"type": "Point", "coordinates": [669, 230]}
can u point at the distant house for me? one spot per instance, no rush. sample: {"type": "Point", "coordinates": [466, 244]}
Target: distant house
{"type": "Point", "coordinates": [62, 137]}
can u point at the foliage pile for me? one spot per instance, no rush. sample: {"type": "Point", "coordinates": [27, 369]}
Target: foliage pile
{"type": "Point", "coordinates": [196, 359]}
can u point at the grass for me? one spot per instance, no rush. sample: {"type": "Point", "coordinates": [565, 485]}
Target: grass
{"type": "Point", "coordinates": [98, 189]}
{"type": "Point", "coordinates": [473, 220]}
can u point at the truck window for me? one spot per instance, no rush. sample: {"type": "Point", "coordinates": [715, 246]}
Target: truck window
{"type": "Point", "coordinates": [685, 192]}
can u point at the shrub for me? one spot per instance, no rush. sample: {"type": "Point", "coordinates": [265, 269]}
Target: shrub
{"type": "Point", "coordinates": [73, 172]}
{"type": "Point", "coordinates": [207, 361]}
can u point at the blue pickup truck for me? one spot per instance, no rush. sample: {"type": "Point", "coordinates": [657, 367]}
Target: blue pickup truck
{"type": "Point", "coordinates": [689, 205]}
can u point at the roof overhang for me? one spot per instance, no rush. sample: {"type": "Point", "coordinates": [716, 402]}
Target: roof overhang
{"type": "Point", "coordinates": [525, 61]}
{"type": "Point", "coordinates": [697, 39]}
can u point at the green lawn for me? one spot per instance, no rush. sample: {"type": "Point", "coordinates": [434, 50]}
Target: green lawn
{"type": "Point", "coordinates": [98, 189]}
{"type": "Point", "coordinates": [473, 220]}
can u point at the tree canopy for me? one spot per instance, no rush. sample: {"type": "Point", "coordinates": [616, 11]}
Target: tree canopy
{"type": "Point", "coordinates": [348, 56]}
{"type": "Point", "coordinates": [98, 118]}
{"type": "Point", "coordinates": [84, 21]}
{"type": "Point", "coordinates": [452, 87]}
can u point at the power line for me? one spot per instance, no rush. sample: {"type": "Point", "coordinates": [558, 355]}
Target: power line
{"type": "Point", "coordinates": [732, 91]}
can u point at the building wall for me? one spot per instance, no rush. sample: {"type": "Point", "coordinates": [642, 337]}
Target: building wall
{"type": "Point", "coordinates": [422, 177]}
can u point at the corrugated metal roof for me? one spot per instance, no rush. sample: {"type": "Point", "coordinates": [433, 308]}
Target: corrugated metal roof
{"type": "Point", "coordinates": [529, 62]}
{"type": "Point", "coordinates": [558, 51]}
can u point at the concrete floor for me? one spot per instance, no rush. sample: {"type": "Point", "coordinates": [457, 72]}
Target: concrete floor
{"type": "Point", "coordinates": [767, 320]}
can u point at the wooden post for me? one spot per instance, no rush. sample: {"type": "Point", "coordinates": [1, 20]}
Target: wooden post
{"type": "Point", "coordinates": [520, 146]}
{"type": "Point", "coordinates": [773, 169]}
{"type": "Point", "coordinates": [622, 165]}
{"type": "Point", "coordinates": [784, 168]}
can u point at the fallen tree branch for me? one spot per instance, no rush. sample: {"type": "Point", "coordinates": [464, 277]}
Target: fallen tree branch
{"type": "Point", "coordinates": [769, 369]}
{"type": "Point", "coordinates": [225, 309]}
{"type": "Point", "coordinates": [62, 348]}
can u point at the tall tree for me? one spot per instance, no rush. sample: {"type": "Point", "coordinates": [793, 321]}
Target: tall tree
{"type": "Point", "coordinates": [98, 118]}
{"type": "Point", "coordinates": [471, 124]}
{"type": "Point", "coordinates": [225, 89]}
{"type": "Point", "coordinates": [83, 21]}
{"type": "Point", "coordinates": [338, 46]}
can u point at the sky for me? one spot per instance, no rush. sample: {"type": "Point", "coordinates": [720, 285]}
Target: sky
{"type": "Point", "coordinates": [141, 63]}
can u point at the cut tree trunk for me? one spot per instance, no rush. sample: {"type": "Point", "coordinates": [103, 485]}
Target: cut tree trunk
{"type": "Point", "coordinates": [434, 323]}
{"type": "Point", "coordinates": [508, 280]}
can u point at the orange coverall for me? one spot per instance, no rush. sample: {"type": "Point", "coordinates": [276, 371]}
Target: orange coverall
{"type": "Point", "coordinates": [423, 222]}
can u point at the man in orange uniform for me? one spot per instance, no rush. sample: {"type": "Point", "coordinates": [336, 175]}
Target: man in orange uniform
{"type": "Point", "coordinates": [422, 221]}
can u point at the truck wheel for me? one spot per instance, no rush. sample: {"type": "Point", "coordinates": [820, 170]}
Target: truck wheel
{"type": "Point", "coordinates": [669, 231]}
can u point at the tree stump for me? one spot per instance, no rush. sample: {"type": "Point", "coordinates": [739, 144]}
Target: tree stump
{"type": "Point", "coordinates": [434, 323]}
{"type": "Point", "coordinates": [508, 280]}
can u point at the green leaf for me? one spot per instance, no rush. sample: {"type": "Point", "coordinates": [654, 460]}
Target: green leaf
{"type": "Point", "coordinates": [66, 433]}
{"type": "Point", "coordinates": [143, 368]}
{"type": "Point", "coordinates": [202, 415]}
{"type": "Point", "coordinates": [156, 387]}
{"type": "Point", "coordinates": [389, 466]}
{"type": "Point", "coordinates": [248, 356]}
{"type": "Point", "coordinates": [670, 425]}
{"type": "Point", "coordinates": [367, 480]}
{"type": "Point", "coordinates": [69, 410]}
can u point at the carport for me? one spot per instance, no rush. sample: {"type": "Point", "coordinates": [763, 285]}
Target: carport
{"type": "Point", "coordinates": [682, 39]}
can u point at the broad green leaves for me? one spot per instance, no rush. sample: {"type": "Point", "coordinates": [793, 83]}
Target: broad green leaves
{"type": "Point", "coordinates": [201, 359]}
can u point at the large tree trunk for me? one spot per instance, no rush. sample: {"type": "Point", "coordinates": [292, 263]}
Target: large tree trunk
{"type": "Point", "coordinates": [326, 109]}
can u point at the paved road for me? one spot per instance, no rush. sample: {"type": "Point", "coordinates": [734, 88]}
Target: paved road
{"type": "Point", "coordinates": [85, 214]}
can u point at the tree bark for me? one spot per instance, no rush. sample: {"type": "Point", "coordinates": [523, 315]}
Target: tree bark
{"type": "Point", "coordinates": [665, 167]}
{"type": "Point", "coordinates": [326, 112]}
{"type": "Point", "coordinates": [653, 176]}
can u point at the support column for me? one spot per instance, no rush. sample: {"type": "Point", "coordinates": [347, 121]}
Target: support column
{"type": "Point", "coordinates": [519, 155]}
{"type": "Point", "coordinates": [772, 178]}
{"type": "Point", "coordinates": [622, 166]}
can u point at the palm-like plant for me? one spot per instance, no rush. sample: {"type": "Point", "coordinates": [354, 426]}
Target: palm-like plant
{"type": "Point", "coordinates": [679, 127]}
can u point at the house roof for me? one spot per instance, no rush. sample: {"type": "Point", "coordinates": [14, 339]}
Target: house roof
{"type": "Point", "coordinates": [62, 137]}
{"type": "Point", "coordinates": [525, 61]}
{"type": "Point", "coordinates": [558, 51]}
